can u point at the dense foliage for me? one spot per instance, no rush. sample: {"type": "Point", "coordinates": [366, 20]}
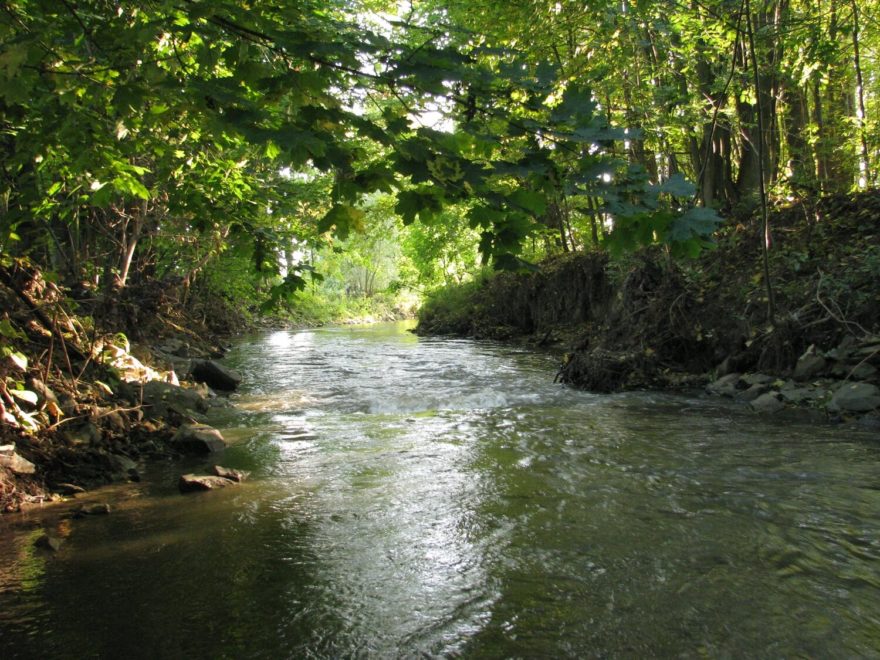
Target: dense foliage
{"type": "Point", "coordinates": [241, 146]}
{"type": "Point", "coordinates": [144, 140]}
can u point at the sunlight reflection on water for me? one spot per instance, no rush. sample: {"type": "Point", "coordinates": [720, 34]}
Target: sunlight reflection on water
{"type": "Point", "coordinates": [440, 497]}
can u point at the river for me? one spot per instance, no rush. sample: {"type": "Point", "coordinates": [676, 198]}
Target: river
{"type": "Point", "coordinates": [416, 497]}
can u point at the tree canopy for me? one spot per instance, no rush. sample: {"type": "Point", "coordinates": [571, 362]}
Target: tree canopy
{"type": "Point", "coordinates": [147, 140]}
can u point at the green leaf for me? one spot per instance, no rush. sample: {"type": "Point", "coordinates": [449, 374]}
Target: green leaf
{"type": "Point", "coordinates": [531, 201]}
{"type": "Point", "coordinates": [677, 186]}
{"type": "Point", "coordinates": [342, 220]}
{"type": "Point", "coordinates": [9, 331]}
{"type": "Point", "coordinates": [12, 59]}
{"type": "Point", "coordinates": [272, 150]}
{"type": "Point", "coordinates": [698, 222]}
{"type": "Point", "coordinates": [423, 204]}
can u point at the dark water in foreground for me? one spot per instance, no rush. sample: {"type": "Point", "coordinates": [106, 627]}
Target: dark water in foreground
{"type": "Point", "coordinates": [439, 498]}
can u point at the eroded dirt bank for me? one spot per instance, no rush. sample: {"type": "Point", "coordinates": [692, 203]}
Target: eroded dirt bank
{"type": "Point", "coordinates": [94, 384]}
{"type": "Point", "coordinates": [646, 321]}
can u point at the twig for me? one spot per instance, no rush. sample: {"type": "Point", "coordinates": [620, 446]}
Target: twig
{"type": "Point", "coordinates": [839, 316]}
{"type": "Point", "coordinates": [865, 359]}
{"type": "Point", "coordinates": [54, 426]}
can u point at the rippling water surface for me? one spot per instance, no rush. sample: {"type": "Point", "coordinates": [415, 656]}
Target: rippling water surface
{"type": "Point", "coordinates": [443, 498]}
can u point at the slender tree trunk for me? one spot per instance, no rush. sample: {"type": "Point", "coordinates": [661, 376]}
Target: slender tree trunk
{"type": "Point", "coordinates": [765, 244]}
{"type": "Point", "coordinates": [130, 244]}
{"type": "Point", "coordinates": [865, 165]}
{"type": "Point", "coordinates": [801, 164]}
{"type": "Point", "coordinates": [760, 148]}
{"type": "Point", "coordinates": [823, 166]}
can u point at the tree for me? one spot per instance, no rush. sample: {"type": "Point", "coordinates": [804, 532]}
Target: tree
{"type": "Point", "coordinates": [147, 139]}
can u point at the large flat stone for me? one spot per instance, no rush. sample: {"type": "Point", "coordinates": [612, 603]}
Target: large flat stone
{"type": "Point", "coordinates": [855, 397]}
{"type": "Point", "coordinates": [198, 439]}
{"type": "Point", "coordinates": [12, 461]}
{"type": "Point", "coordinates": [215, 375]}
{"type": "Point", "coordinates": [768, 403]}
{"type": "Point", "coordinates": [192, 483]}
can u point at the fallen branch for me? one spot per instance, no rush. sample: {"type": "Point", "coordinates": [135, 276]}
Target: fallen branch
{"type": "Point", "coordinates": [839, 316]}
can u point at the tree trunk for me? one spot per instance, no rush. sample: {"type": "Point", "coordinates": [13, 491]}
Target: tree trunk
{"type": "Point", "coordinates": [865, 163]}
{"type": "Point", "coordinates": [130, 242]}
{"type": "Point", "coordinates": [801, 164]}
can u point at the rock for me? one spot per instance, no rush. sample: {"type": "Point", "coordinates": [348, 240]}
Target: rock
{"type": "Point", "coordinates": [191, 483]}
{"type": "Point", "coordinates": [855, 397]}
{"type": "Point", "coordinates": [725, 386]}
{"type": "Point", "coordinates": [176, 347]}
{"type": "Point", "coordinates": [753, 392]}
{"type": "Point", "coordinates": [48, 542]}
{"type": "Point", "coordinates": [768, 403]}
{"type": "Point", "coordinates": [863, 371]}
{"type": "Point", "coordinates": [177, 414]}
{"type": "Point", "coordinates": [160, 396]}
{"type": "Point", "coordinates": [215, 375]}
{"type": "Point", "coordinates": [725, 368]}
{"type": "Point", "coordinates": [799, 395]}
{"type": "Point", "coordinates": [115, 421]}
{"type": "Point", "coordinates": [809, 365]}
{"type": "Point", "coordinates": [100, 509]}
{"type": "Point", "coordinates": [198, 439]}
{"type": "Point", "coordinates": [757, 379]}
{"type": "Point", "coordinates": [230, 473]}
{"type": "Point", "coordinates": [871, 421]}
{"type": "Point", "coordinates": [68, 489]}
{"type": "Point", "coordinates": [122, 464]}
{"type": "Point", "coordinates": [13, 462]}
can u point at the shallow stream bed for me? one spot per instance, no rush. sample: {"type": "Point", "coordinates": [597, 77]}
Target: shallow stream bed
{"type": "Point", "coordinates": [416, 497]}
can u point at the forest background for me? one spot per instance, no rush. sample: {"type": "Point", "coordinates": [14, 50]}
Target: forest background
{"type": "Point", "coordinates": [247, 151]}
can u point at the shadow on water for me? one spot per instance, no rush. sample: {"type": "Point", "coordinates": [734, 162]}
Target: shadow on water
{"type": "Point", "coordinates": [442, 497]}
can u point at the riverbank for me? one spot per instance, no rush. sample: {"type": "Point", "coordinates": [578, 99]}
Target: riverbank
{"type": "Point", "coordinates": [645, 321]}
{"type": "Point", "coordinates": [93, 386]}
{"type": "Point", "coordinates": [96, 384]}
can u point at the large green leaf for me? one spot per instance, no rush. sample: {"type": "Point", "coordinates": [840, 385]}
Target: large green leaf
{"type": "Point", "coordinates": [342, 220]}
{"type": "Point", "coordinates": [421, 203]}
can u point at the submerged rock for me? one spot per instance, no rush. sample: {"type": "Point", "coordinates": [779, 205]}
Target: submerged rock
{"type": "Point", "coordinates": [191, 483]}
{"type": "Point", "coordinates": [65, 488]}
{"type": "Point", "coordinates": [230, 473]}
{"type": "Point", "coordinates": [198, 439]}
{"type": "Point", "coordinates": [99, 509]}
{"type": "Point", "coordinates": [215, 375]}
{"type": "Point", "coordinates": [49, 542]}
{"type": "Point", "coordinates": [768, 403]}
{"type": "Point", "coordinates": [725, 386]}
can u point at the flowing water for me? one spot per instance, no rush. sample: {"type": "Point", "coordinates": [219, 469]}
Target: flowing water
{"type": "Point", "coordinates": [443, 498]}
